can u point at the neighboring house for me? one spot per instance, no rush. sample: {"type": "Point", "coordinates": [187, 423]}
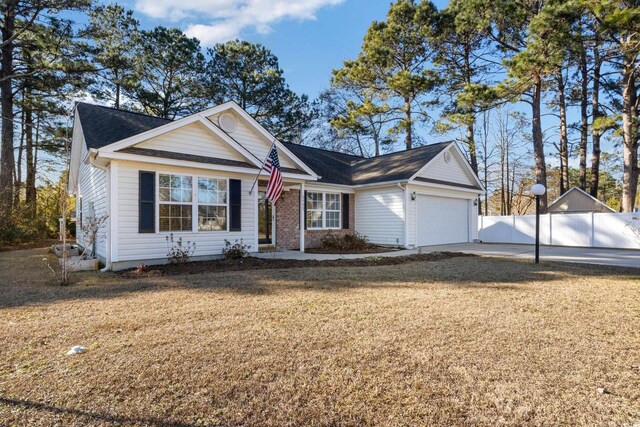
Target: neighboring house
{"type": "Point", "coordinates": [192, 177]}
{"type": "Point", "coordinates": [576, 200]}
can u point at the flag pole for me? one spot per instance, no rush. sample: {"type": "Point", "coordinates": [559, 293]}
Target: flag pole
{"type": "Point", "coordinates": [262, 167]}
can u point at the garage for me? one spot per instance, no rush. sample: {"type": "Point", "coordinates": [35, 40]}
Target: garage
{"type": "Point", "coordinates": [442, 220]}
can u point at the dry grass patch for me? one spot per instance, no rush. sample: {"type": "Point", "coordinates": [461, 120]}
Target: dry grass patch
{"type": "Point", "coordinates": [462, 341]}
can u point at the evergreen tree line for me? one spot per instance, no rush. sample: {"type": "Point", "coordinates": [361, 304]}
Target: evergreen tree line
{"type": "Point", "coordinates": [421, 69]}
{"type": "Point", "coordinates": [458, 68]}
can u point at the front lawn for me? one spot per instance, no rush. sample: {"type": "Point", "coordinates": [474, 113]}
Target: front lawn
{"type": "Point", "coordinates": [459, 341]}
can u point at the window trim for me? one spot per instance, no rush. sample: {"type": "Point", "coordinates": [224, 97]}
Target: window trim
{"type": "Point", "coordinates": [324, 211]}
{"type": "Point", "coordinates": [194, 203]}
{"type": "Point", "coordinates": [197, 204]}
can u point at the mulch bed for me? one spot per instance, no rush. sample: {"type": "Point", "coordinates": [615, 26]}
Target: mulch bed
{"type": "Point", "coordinates": [373, 249]}
{"type": "Point", "coordinates": [250, 263]}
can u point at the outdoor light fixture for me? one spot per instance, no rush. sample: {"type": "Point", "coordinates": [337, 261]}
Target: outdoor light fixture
{"type": "Point", "coordinates": [475, 202]}
{"type": "Point", "coordinates": [538, 190]}
{"type": "Point", "coordinates": [413, 195]}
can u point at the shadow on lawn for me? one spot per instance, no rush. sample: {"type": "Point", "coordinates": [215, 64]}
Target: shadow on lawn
{"type": "Point", "coordinates": [89, 415]}
{"type": "Point", "coordinates": [32, 283]}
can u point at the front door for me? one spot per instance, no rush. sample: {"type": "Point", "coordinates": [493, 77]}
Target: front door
{"type": "Point", "coordinates": [265, 219]}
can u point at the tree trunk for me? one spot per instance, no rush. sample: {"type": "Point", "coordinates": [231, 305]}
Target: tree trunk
{"type": "Point", "coordinates": [564, 138]}
{"type": "Point", "coordinates": [584, 118]}
{"type": "Point", "coordinates": [595, 133]}
{"type": "Point", "coordinates": [18, 175]}
{"type": "Point", "coordinates": [7, 163]}
{"type": "Point", "coordinates": [629, 133]}
{"type": "Point", "coordinates": [408, 124]}
{"type": "Point", "coordinates": [30, 180]}
{"type": "Point", "coordinates": [540, 169]}
{"type": "Point", "coordinates": [117, 103]}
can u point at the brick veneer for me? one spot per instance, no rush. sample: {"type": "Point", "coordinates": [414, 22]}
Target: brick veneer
{"type": "Point", "coordinates": [288, 221]}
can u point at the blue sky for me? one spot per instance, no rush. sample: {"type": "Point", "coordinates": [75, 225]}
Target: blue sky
{"type": "Point", "coordinates": [310, 37]}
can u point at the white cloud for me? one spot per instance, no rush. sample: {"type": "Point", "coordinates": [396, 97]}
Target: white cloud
{"type": "Point", "coordinates": [214, 21]}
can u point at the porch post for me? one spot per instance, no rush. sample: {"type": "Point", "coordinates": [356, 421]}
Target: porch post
{"type": "Point", "coordinates": [302, 218]}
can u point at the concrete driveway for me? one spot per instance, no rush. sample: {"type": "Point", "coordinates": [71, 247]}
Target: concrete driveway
{"type": "Point", "coordinates": [616, 257]}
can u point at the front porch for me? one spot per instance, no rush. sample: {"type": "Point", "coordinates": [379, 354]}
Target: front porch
{"type": "Point", "coordinates": [279, 226]}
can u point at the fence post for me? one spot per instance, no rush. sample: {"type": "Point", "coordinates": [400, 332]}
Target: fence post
{"type": "Point", "coordinates": [550, 229]}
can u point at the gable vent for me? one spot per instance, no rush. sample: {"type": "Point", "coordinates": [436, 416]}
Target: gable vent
{"type": "Point", "coordinates": [227, 122]}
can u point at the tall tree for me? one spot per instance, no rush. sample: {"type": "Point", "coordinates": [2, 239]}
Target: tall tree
{"type": "Point", "coordinates": [250, 75]}
{"type": "Point", "coordinates": [619, 25]}
{"type": "Point", "coordinates": [507, 23]}
{"type": "Point", "coordinates": [17, 17]}
{"type": "Point", "coordinates": [169, 67]}
{"type": "Point", "coordinates": [462, 59]}
{"type": "Point", "coordinates": [394, 62]}
{"type": "Point", "coordinates": [595, 111]}
{"type": "Point", "coordinates": [54, 62]}
{"type": "Point", "coordinates": [114, 34]}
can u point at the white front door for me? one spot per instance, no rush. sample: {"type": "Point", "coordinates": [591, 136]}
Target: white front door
{"type": "Point", "coordinates": [442, 220]}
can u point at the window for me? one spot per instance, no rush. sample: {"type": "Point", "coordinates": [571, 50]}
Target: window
{"type": "Point", "coordinates": [323, 210]}
{"type": "Point", "coordinates": [212, 204]}
{"type": "Point", "coordinates": [176, 198]}
{"type": "Point", "coordinates": [332, 207]}
{"type": "Point", "coordinates": [314, 210]}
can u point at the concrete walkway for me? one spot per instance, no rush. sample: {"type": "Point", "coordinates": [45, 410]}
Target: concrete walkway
{"type": "Point", "coordinates": [615, 257]}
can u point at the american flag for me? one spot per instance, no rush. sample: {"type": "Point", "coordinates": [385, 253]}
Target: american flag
{"type": "Point", "coordinates": [274, 186]}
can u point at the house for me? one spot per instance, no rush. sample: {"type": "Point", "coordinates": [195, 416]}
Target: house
{"type": "Point", "coordinates": [576, 200]}
{"type": "Point", "coordinates": [193, 177]}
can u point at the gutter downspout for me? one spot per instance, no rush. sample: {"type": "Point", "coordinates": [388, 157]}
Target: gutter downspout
{"type": "Point", "coordinates": [107, 172]}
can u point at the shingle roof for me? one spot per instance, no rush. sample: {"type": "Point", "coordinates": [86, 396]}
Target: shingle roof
{"type": "Point", "coordinates": [103, 126]}
{"type": "Point", "coordinates": [339, 168]}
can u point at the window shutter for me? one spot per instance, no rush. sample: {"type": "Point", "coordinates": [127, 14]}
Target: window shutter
{"type": "Point", "coordinates": [147, 198]}
{"type": "Point", "coordinates": [235, 205]}
{"type": "Point", "coordinates": [345, 211]}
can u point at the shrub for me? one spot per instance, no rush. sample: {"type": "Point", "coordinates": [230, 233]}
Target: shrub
{"type": "Point", "coordinates": [237, 250]}
{"type": "Point", "coordinates": [345, 242]}
{"type": "Point", "coordinates": [178, 252]}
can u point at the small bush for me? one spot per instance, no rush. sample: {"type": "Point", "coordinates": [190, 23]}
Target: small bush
{"type": "Point", "coordinates": [345, 242]}
{"type": "Point", "coordinates": [237, 250]}
{"type": "Point", "coordinates": [178, 252]}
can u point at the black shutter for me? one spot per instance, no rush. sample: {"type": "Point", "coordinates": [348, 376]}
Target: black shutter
{"type": "Point", "coordinates": [147, 198]}
{"type": "Point", "coordinates": [304, 218]}
{"type": "Point", "coordinates": [345, 211]}
{"type": "Point", "coordinates": [235, 205]}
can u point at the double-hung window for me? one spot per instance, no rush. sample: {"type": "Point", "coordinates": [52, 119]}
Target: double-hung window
{"type": "Point", "coordinates": [323, 210]}
{"type": "Point", "coordinates": [180, 197]}
{"type": "Point", "coordinates": [212, 204]}
{"type": "Point", "coordinates": [176, 202]}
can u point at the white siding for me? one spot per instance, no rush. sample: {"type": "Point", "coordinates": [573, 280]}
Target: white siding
{"type": "Point", "coordinates": [253, 141]}
{"type": "Point", "coordinates": [193, 139]}
{"type": "Point", "coordinates": [92, 186]}
{"type": "Point", "coordinates": [380, 215]}
{"type": "Point", "coordinates": [441, 192]}
{"type": "Point", "coordinates": [135, 246]}
{"type": "Point", "coordinates": [452, 171]}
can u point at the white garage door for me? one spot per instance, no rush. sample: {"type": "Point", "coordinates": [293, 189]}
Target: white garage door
{"type": "Point", "coordinates": [442, 220]}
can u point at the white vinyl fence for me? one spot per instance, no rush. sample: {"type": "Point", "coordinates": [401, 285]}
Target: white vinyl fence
{"type": "Point", "coordinates": [598, 230]}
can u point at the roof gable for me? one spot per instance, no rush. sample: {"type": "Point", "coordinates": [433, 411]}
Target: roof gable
{"type": "Point", "coordinates": [192, 139]}
{"type": "Point", "coordinates": [449, 166]}
{"type": "Point", "coordinates": [577, 200]}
